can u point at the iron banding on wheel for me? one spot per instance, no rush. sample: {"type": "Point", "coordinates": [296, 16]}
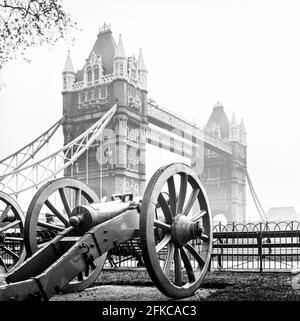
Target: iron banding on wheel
{"type": "Point", "coordinates": [12, 249]}
{"type": "Point", "coordinates": [58, 198]}
{"type": "Point", "coordinates": [176, 235]}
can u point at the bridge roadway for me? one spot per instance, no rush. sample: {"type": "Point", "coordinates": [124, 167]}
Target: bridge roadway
{"type": "Point", "coordinates": [177, 125]}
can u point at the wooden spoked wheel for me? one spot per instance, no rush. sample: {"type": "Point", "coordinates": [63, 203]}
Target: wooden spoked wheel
{"type": "Point", "coordinates": [49, 213]}
{"type": "Point", "coordinates": [175, 230]}
{"type": "Point", "coordinates": [12, 250]}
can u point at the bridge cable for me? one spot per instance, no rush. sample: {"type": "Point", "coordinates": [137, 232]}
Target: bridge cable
{"type": "Point", "coordinates": [258, 205]}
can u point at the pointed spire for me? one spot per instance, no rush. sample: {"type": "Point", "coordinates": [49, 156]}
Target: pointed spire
{"type": "Point", "coordinates": [120, 52]}
{"type": "Point", "coordinates": [69, 65]}
{"type": "Point", "coordinates": [233, 122]}
{"type": "Point", "coordinates": [105, 27]}
{"type": "Point", "coordinates": [141, 62]}
{"type": "Point", "coordinates": [218, 104]}
{"type": "Point", "coordinates": [242, 126]}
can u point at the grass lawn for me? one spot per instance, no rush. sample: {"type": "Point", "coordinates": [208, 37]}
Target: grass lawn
{"type": "Point", "coordinates": [230, 286]}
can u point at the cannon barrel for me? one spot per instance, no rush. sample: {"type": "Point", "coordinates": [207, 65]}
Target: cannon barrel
{"type": "Point", "coordinates": [84, 217]}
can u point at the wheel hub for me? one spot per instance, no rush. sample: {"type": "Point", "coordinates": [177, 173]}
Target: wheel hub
{"type": "Point", "coordinates": [183, 230]}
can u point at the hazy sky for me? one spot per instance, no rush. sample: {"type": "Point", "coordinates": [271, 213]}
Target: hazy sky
{"type": "Point", "coordinates": [244, 53]}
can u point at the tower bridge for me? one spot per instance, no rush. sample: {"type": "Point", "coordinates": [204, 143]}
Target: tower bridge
{"type": "Point", "coordinates": [108, 123]}
{"type": "Point", "coordinates": [218, 151]}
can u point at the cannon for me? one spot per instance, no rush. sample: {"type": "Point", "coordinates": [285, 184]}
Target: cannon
{"type": "Point", "coordinates": [172, 221]}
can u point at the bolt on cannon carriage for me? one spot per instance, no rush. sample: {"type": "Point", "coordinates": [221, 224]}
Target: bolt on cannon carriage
{"type": "Point", "coordinates": [172, 221]}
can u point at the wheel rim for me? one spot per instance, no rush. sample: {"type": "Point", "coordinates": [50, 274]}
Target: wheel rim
{"type": "Point", "coordinates": [49, 212]}
{"type": "Point", "coordinates": [12, 250]}
{"type": "Point", "coordinates": [176, 232]}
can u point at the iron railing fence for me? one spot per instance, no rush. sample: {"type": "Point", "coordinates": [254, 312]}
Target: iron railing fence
{"type": "Point", "coordinates": [267, 246]}
{"type": "Point", "coordinates": [7, 257]}
{"type": "Point", "coordinates": [264, 246]}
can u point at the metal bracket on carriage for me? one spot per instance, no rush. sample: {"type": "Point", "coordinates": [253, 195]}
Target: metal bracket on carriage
{"type": "Point", "coordinates": [124, 197]}
{"type": "Point", "coordinates": [135, 202]}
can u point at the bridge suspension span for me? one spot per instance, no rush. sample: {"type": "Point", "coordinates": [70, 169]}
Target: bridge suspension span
{"type": "Point", "coordinates": [18, 175]}
{"type": "Point", "coordinates": [18, 159]}
{"type": "Point", "coordinates": [22, 177]}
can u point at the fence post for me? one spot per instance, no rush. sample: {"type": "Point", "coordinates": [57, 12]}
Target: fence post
{"type": "Point", "coordinates": [259, 244]}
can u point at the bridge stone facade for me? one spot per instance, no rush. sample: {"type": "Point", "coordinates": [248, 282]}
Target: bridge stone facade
{"type": "Point", "coordinates": [224, 176]}
{"type": "Point", "coordinates": [116, 162]}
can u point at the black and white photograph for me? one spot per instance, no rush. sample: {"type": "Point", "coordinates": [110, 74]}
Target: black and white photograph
{"type": "Point", "coordinates": [149, 154]}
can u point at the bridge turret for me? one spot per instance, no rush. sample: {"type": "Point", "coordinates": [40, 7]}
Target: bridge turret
{"type": "Point", "coordinates": [234, 131]}
{"type": "Point", "coordinates": [120, 60]}
{"type": "Point", "coordinates": [243, 133]}
{"type": "Point", "coordinates": [68, 74]}
{"type": "Point", "coordinates": [142, 70]}
{"type": "Point", "coordinates": [218, 123]}
{"type": "Point", "coordinates": [224, 176]}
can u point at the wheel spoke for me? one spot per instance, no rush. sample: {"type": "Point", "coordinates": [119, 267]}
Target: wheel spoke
{"type": "Point", "coordinates": [65, 201]}
{"type": "Point", "coordinates": [78, 197]}
{"type": "Point", "coordinates": [197, 216]}
{"type": "Point", "coordinates": [165, 208]}
{"type": "Point", "coordinates": [169, 259]}
{"type": "Point", "coordinates": [191, 201]}
{"type": "Point", "coordinates": [10, 252]}
{"type": "Point", "coordinates": [182, 192]}
{"type": "Point", "coordinates": [10, 225]}
{"type": "Point", "coordinates": [172, 195]}
{"type": "Point", "coordinates": [5, 212]}
{"type": "Point", "coordinates": [195, 254]}
{"type": "Point", "coordinates": [2, 263]}
{"type": "Point", "coordinates": [14, 239]}
{"type": "Point", "coordinates": [177, 262]}
{"type": "Point", "coordinates": [188, 266]}
{"type": "Point", "coordinates": [162, 225]}
{"type": "Point", "coordinates": [163, 243]}
{"type": "Point", "coordinates": [51, 226]}
{"type": "Point", "coordinates": [57, 213]}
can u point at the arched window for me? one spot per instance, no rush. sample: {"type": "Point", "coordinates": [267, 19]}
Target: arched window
{"type": "Point", "coordinates": [90, 94]}
{"type": "Point", "coordinates": [103, 91]}
{"type": "Point", "coordinates": [82, 97]}
{"type": "Point", "coordinates": [96, 72]}
{"type": "Point", "coordinates": [117, 69]}
{"type": "Point", "coordinates": [96, 93]}
{"type": "Point", "coordinates": [133, 73]}
{"type": "Point", "coordinates": [89, 74]}
{"type": "Point", "coordinates": [65, 82]}
{"type": "Point", "coordinates": [121, 70]}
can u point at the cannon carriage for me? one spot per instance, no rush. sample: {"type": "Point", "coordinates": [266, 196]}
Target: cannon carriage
{"type": "Point", "coordinates": [170, 226]}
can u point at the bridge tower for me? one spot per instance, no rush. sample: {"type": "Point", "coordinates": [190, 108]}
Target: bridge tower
{"type": "Point", "coordinates": [116, 163]}
{"type": "Point", "coordinates": [224, 177]}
